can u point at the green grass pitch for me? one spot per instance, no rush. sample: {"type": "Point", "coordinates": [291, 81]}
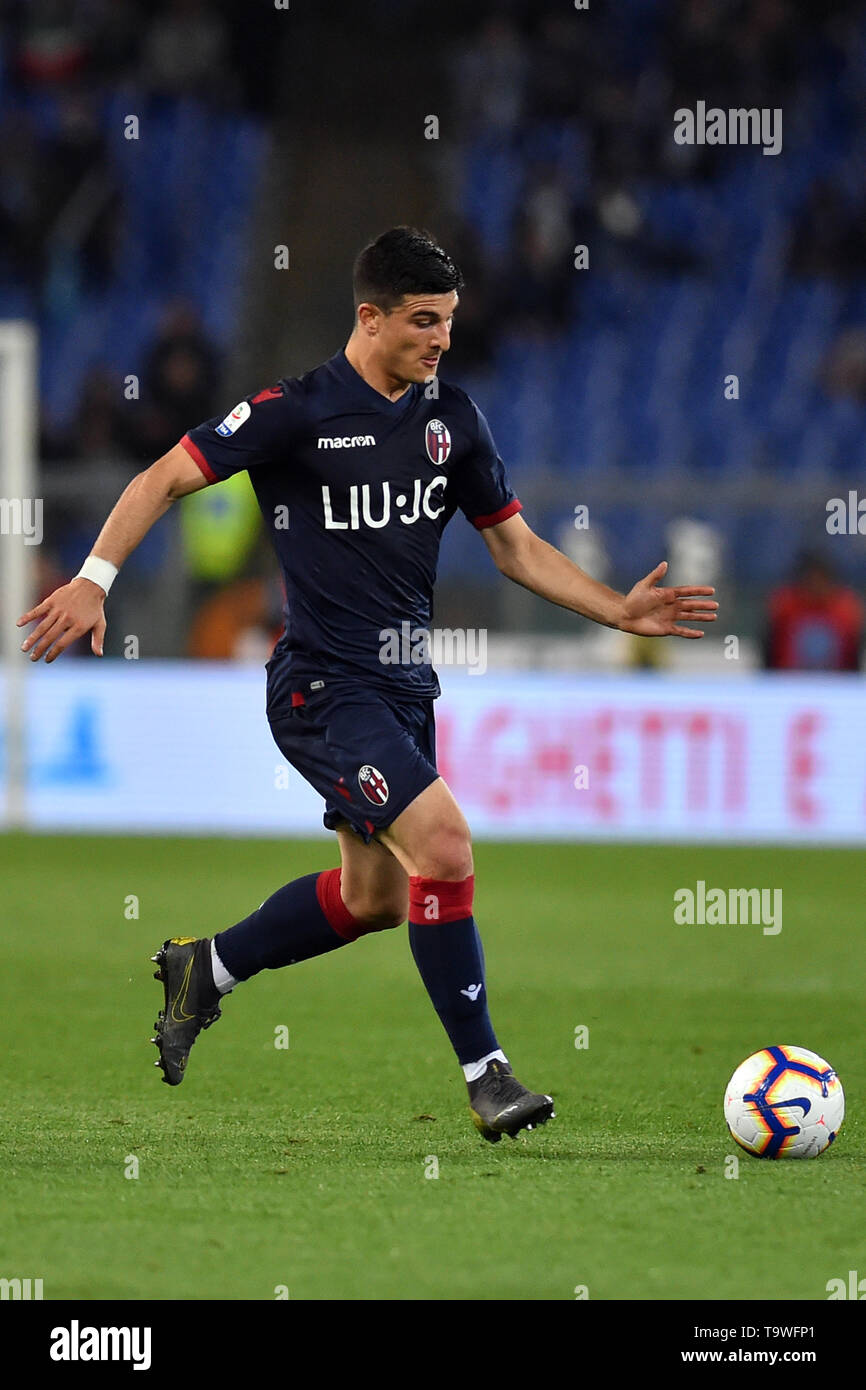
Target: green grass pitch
{"type": "Point", "coordinates": [303, 1168]}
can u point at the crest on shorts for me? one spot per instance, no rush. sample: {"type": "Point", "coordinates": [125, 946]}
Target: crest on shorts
{"type": "Point", "coordinates": [438, 442]}
{"type": "Point", "coordinates": [373, 785]}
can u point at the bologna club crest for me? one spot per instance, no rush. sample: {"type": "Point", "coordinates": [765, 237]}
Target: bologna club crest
{"type": "Point", "coordinates": [438, 442]}
{"type": "Point", "coordinates": [373, 785]}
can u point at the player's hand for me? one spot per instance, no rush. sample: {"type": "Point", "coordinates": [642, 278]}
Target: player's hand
{"type": "Point", "coordinates": [65, 616]}
{"type": "Point", "coordinates": [652, 611]}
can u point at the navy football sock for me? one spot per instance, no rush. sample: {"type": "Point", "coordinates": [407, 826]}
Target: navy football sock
{"type": "Point", "coordinates": [447, 950]}
{"type": "Point", "coordinates": [306, 918]}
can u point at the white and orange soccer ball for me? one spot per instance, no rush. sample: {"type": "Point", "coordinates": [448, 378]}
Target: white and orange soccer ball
{"type": "Point", "coordinates": [784, 1102]}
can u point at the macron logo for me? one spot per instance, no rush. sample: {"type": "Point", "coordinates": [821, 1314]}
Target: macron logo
{"type": "Point", "coordinates": [346, 441]}
{"type": "Point", "coordinates": [472, 992]}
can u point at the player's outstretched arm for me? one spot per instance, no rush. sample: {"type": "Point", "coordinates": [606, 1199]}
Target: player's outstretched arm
{"type": "Point", "coordinates": [78, 607]}
{"type": "Point", "coordinates": [648, 609]}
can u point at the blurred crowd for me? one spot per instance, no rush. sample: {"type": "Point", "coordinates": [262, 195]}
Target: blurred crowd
{"type": "Point", "coordinates": [75, 53]}
{"type": "Point", "coordinates": [527, 70]}
{"type": "Point", "coordinates": [204, 48]}
{"type": "Point", "coordinates": [177, 388]}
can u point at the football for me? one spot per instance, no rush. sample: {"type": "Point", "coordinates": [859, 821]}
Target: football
{"type": "Point", "coordinates": [784, 1102]}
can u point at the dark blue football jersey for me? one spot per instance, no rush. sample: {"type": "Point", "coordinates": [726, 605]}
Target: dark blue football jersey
{"type": "Point", "coordinates": [356, 491]}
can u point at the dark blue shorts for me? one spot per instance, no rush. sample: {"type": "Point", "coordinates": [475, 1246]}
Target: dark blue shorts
{"type": "Point", "coordinates": [366, 753]}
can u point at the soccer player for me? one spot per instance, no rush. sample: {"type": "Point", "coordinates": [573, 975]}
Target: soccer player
{"type": "Point", "coordinates": [358, 466]}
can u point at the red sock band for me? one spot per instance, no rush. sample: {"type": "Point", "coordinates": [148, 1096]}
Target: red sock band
{"type": "Point", "coordinates": [336, 912]}
{"type": "Point", "coordinates": [438, 900]}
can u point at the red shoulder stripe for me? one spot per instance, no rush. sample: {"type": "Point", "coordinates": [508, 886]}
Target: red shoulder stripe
{"type": "Point", "coordinates": [198, 457]}
{"type": "Point", "coordinates": [269, 394]}
{"type": "Point", "coordinates": [480, 522]}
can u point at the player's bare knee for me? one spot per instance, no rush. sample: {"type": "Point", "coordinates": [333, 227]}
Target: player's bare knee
{"type": "Point", "coordinates": [447, 855]}
{"type": "Point", "coordinates": [386, 917]}
{"type": "Point", "coordinates": [378, 913]}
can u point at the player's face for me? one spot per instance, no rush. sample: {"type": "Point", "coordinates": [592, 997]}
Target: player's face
{"type": "Point", "coordinates": [413, 337]}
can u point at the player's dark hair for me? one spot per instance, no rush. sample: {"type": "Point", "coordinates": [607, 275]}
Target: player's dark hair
{"type": "Point", "coordinates": [402, 261]}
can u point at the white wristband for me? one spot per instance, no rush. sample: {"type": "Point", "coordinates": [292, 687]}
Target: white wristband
{"type": "Point", "coordinates": [101, 572]}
